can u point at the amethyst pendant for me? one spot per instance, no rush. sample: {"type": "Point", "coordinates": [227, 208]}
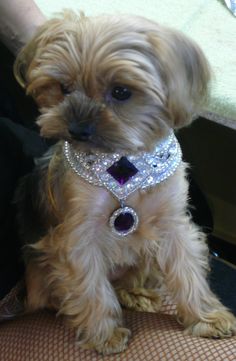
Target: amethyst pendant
{"type": "Point", "coordinates": [124, 221]}
{"type": "Point", "coordinates": [122, 170]}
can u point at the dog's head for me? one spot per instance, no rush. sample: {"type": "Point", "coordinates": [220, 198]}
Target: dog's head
{"type": "Point", "coordinates": [116, 83]}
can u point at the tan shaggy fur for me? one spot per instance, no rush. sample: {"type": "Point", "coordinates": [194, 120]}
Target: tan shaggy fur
{"type": "Point", "coordinates": [78, 266]}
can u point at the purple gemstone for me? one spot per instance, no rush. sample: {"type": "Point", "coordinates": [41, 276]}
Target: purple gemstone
{"type": "Point", "coordinates": [124, 222]}
{"type": "Point", "coordinates": [122, 170]}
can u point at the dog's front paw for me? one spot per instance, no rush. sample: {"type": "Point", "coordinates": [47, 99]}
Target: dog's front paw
{"type": "Point", "coordinates": [116, 343]}
{"type": "Point", "coordinates": [140, 299]}
{"type": "Point", "coordinates": [219, 324]}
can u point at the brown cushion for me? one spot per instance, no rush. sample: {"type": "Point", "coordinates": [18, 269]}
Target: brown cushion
{"type": "Point", "coordinates": [42, 336]}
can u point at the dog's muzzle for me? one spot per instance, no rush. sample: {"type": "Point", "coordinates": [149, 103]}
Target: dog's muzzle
{"type": "Point", "coordinates": [81, 131]}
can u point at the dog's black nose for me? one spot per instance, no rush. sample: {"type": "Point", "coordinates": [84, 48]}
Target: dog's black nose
{"type": "Point", "coordinates": [81, 131]}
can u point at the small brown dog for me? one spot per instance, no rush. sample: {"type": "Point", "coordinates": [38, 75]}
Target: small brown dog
{"type": "Point", "coordinates": [104, 213]}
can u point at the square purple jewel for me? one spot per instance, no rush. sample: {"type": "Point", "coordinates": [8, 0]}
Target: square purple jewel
{"type": "Point", "coordinates": [122, 170]}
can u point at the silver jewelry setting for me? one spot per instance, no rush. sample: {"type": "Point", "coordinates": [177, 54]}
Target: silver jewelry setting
{"type": "Point", "coordinates": [115, 216]}
{"type": "Point", "coordinates": [150, 169]}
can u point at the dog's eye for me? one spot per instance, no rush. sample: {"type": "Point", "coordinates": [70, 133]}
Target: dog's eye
{"type": "Point", "coordinates": [65, 90]}
{"type": "Point", "coordinates": [121, 93]}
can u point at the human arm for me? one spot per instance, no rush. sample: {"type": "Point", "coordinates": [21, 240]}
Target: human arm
{"type": "Point", "coordinates": [18, 21]}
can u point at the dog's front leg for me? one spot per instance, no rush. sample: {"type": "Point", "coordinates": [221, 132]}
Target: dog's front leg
{"type": "Point", "coordinates": [92, 307]}
{"type": "Point", "coordinates": [183, 258]}
{"type": "Point", "coordinates": [78, 287]}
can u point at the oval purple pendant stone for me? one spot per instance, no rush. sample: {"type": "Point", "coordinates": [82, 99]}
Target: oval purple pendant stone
{"type": "Point", "coordinates": [124, 222]}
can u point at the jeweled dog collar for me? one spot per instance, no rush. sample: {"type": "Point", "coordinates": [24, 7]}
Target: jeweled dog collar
{"type": "Point", "coordinates": [123, 174]}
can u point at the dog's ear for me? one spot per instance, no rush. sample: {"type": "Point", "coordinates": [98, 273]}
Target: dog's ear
{"type": "Point", "coordinates": [185, 73]}
{"type": "Point", "coordinates": [29, 74]}
{"type": "Point", "coordinates": [33, 67]}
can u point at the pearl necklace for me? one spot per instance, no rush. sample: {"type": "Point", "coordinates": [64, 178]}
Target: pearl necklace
{"type": "Point", "coordinates": [123, 174]}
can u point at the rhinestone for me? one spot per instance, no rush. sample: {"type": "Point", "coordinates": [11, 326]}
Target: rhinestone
{"type": "Point", "coordinates": [143, 171]}
{"type": "Point", "coordinates": [122, 170]}
{"type": "Point", "coordinates": [124, 221]}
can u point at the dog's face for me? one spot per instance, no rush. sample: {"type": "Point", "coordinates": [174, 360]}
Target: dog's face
{"type": "Point", "coordinates": [112, 83]}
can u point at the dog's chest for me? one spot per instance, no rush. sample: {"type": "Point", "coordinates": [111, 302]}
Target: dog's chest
{"type": "Point", "coordinates": [91, 207]}
{"type": "Point", "coordinates": [95, 205]}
